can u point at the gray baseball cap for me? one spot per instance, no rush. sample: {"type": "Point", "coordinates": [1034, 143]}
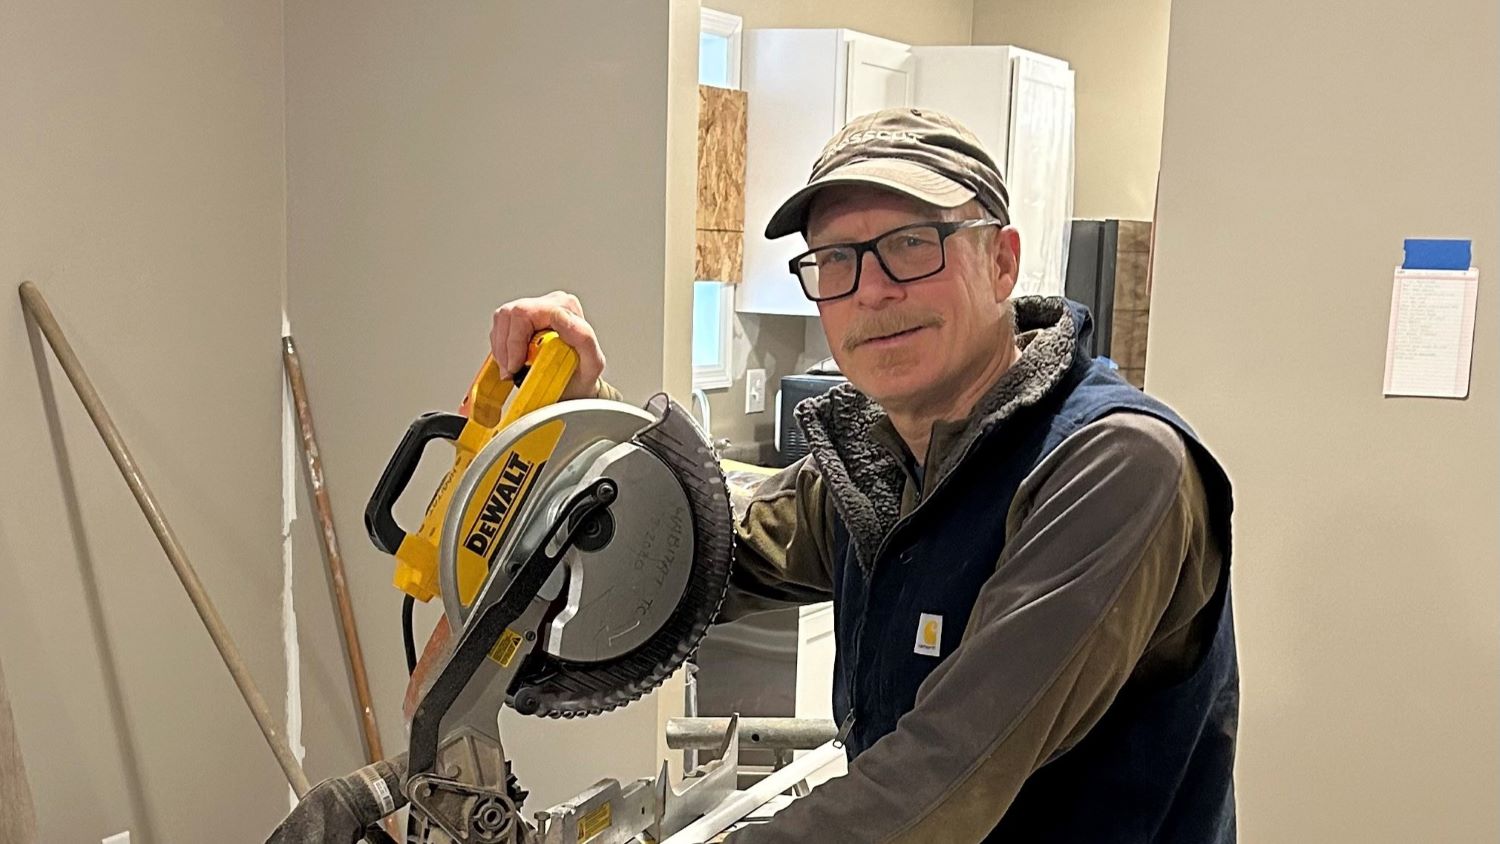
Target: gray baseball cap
{"type": "Point", "coordinates": [924, 154]}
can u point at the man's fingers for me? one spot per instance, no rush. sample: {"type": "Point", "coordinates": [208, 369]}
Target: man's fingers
{"type": "Point", "coordinates": [568, 302]}
{"type": "Point", "coordinates": [499, 329]}
{"type": "Point", "coordinates": [510, 331]}
{"type": "Point", "coordinates": [517, 338]}
{"type": "Point", "coordinates": [516, 322]}
{"type": "Point", "coordinates": [576, 332]}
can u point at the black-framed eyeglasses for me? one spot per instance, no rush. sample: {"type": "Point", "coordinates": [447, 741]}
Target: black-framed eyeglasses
{"type": "Point", "coordinates": [909, 253]}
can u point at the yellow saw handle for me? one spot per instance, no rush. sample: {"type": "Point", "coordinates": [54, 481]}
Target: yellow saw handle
{"type": "Point", "coordinates": [550, 365]}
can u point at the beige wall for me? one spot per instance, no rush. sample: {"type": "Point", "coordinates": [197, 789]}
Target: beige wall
{"type": "Point", "coordinates": [1302, 143]}
{"type": "Point", "coordinates": [1119, 52]}
{"type": "Point", "coordinates": [775, 343]}
{"type": "Point", "coordinates": [18, 821]}
{"type": "Point", "coordinates": [142, 187]}
{"type": "Point", "coordinates": [441, 161]}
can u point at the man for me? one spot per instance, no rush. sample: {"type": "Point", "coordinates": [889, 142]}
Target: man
{"type": "Point", "coordinates": [1028, 558]}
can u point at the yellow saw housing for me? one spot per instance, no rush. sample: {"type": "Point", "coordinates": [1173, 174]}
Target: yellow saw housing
{"type": "Point", "coordinates": [550, 365]}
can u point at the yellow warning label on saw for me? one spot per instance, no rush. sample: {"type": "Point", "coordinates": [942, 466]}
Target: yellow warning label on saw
{"type": "Point", "coordinates": [593, 823]}
{"type": "Point", "coordinates": [504, 650]}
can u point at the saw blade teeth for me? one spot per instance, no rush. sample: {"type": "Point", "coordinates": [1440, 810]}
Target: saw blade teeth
{"type": "Point", "coordinates": [570, 689]}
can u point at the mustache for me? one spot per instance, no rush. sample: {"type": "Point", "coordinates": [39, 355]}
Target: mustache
{"type": "Point", "coordinates": [885, 324]}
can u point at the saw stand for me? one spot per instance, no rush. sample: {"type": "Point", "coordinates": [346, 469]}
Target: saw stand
{"type": "Point", "coordinates": [709, 800]}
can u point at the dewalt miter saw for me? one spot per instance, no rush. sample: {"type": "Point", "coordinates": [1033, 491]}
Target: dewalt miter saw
{"type": "Point", "coordinates": [581, 548]}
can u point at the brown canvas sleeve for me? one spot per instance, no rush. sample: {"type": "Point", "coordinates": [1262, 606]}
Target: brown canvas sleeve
{"type": "Point", "coordinates": [782, 545]}
{"type": "Point", "coordinates": [782, 541]}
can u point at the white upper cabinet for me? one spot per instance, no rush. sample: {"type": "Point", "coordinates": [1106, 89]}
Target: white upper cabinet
{"type": "Point", "coordinates": [972, 85]}
{"type": "Point", "coordinates": [803, 85]}
{"type": "Point", "coordinates": [880, 74]}
{"type": "Point", "coordinates": [1020, 104]}
{"type": "Point", "coordinates": [1040, 162]}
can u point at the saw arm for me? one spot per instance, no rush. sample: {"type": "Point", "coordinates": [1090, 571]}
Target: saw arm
{"type": "Point", "coordinates": [458, 778]}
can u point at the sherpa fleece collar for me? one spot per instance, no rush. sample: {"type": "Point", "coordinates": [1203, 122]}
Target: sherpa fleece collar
{"type": "Point", "coordinates": [865, 480]}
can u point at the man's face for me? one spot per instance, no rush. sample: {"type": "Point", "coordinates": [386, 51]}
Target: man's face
{"type": "Point", "coordinates": [925, 340]}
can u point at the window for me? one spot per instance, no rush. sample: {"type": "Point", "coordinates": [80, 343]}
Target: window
{"type": "Point", "coordinates": [713, 331]}
{"type": "Point", "coordinates": [713, 301]}
{"type": "Point", "coordinates": [719, 49]}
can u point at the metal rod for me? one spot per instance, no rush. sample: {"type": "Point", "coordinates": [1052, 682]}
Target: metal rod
{"type": "Point", "coordinates": [773, 733]}
{"type": "Point", "coordinates": [744, 802]}
{"type": "Point", "coordinates": [690, 704]}
{"type": "Point", "coordinates": [313, 462]}
{"type": "Point", "coordinates": [36, 305]}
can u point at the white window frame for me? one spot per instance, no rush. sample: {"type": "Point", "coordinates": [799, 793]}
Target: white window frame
{"type": "Point", "coordinates": [721, 376]}
{"type": "Point", "coordinates": [728, 26]}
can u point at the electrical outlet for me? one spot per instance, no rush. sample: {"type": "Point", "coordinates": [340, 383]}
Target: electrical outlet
{"type": "Point", "coordinates": [755, 391]}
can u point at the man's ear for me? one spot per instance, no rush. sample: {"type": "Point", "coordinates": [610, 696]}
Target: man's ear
{"type": "Point", "coordinates": [1007, 256]}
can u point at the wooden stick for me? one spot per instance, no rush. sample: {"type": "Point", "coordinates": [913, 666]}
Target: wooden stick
{"type": "Point", "coordinates": [313, 463]}
{"type": "Point", "coordinates": [36, 306]}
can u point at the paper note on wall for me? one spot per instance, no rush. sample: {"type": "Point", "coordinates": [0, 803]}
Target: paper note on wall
{"type": "Point", "coordinates": [1431, 338]}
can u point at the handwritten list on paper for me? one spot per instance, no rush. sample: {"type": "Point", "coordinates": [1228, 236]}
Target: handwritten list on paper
{"type": "Point", "coordinates": [1431, 338]}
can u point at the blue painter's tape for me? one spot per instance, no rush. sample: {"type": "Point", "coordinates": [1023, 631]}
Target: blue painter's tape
{"type": "Point", "coordinates": [1430, 254]}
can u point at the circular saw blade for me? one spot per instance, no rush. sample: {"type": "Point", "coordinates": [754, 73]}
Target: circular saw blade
{"type": "Point", "coordinates": [563, 688]}
{"type": "Point", "coordinates": [611, 639]}
{"type": "Point", "coordinates": [629, 567]}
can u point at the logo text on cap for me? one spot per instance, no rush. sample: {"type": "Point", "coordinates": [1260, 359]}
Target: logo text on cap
{"type": "Point", "coordinates": [867, 135]}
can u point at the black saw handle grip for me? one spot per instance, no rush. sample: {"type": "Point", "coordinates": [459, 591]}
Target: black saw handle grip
{"type": "Point", "coordinates": [379, 520]}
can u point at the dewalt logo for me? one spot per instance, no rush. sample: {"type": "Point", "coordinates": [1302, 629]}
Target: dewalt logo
{"type": "Point", "coordinates": [510, 487]}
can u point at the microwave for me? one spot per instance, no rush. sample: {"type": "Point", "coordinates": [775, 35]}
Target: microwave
{"type": "Point", "coordinates": [790, 444]}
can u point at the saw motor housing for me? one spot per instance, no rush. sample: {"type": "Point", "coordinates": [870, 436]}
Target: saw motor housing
{"type": "Point", "coordinates": [550, 364]}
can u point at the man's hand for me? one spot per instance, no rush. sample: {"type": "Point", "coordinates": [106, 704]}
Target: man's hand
{"type": "Point", "coordinates": [516, 321]}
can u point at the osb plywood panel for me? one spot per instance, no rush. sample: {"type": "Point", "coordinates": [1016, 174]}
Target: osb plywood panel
{"type": "Point", "coordinates": [1132, 305]}
{"type": "Point", "coordinates": [1127, 344]}
{"type": "Point", "coordinates": [720, 256]}
{"type": "Point", "coordinates": [1132, 283]}
{"type": "Point", "coordinates": [1135, 236]}
{"type": "Point", "coordinates": [721, 158]}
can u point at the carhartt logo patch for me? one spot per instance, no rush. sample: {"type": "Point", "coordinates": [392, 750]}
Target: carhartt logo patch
{"type": "Point", "coordinates": [930, 635]}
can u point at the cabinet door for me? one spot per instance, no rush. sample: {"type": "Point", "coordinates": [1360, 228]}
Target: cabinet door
{"type": "Point", "coordinates": [789, 77]}
{"type": "Point", "coordinates": [971, 85]}
{"type": "Point", "coordinates": [880, 75]}
{"type": "Point", "coordinates": [1040, 171]}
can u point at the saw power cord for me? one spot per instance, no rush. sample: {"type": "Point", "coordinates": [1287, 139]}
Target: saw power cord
{"type": "Point", "coordinates": [406, 635]}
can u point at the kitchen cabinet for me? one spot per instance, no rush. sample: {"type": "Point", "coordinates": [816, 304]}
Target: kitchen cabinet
{"type": "Point", "coordinates": [803, 85]}
{"type": "Point", "coordinates": [879, 75]}
{"type": "Point", "coordinates": [1021, 105]}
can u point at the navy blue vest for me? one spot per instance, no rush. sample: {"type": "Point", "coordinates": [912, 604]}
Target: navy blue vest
{"type": "Point", "coordinates": [1158, 767]}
